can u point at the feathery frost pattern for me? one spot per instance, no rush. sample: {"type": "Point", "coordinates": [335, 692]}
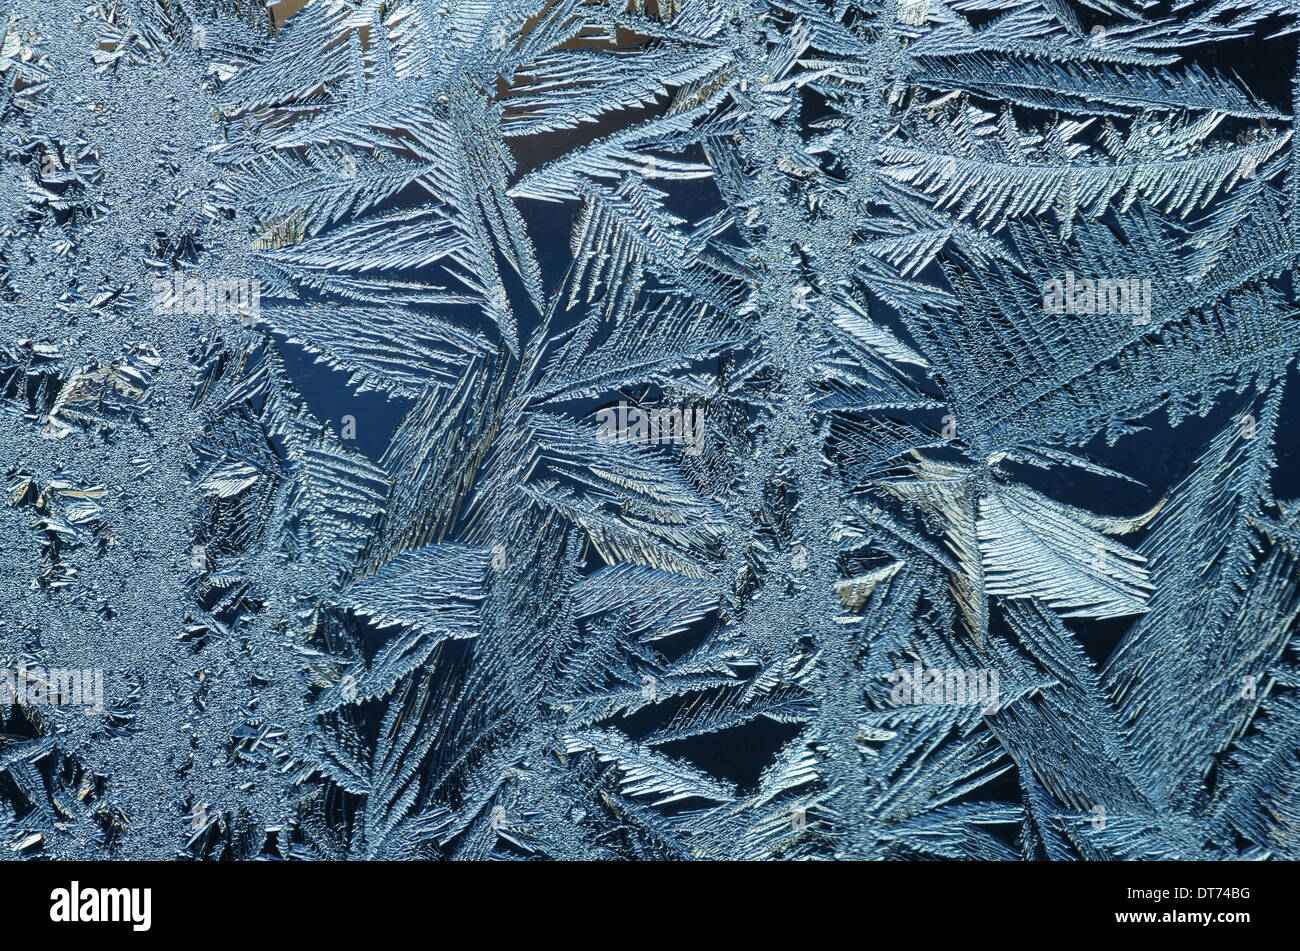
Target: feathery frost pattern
{"type": "Point", "coordinates": [689, 429]}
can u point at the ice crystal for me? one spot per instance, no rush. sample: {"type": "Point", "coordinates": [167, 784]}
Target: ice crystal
{"type": "Point", "coordinates": [704, 429]}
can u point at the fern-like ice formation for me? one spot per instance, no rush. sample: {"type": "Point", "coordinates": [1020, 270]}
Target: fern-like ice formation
{"type": "Point", "coordinates": [685, 429]}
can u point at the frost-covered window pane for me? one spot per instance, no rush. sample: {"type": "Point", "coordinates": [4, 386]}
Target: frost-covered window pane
{"type": "Point", "coordinates": [648, 429]}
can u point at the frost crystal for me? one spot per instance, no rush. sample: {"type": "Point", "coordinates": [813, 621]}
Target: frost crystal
{"type": "Point", "coordinates": [648, 429]}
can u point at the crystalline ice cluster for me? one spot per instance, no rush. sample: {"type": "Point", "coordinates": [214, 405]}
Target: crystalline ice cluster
{"type": "Point", "coordinates": [691, 429]}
